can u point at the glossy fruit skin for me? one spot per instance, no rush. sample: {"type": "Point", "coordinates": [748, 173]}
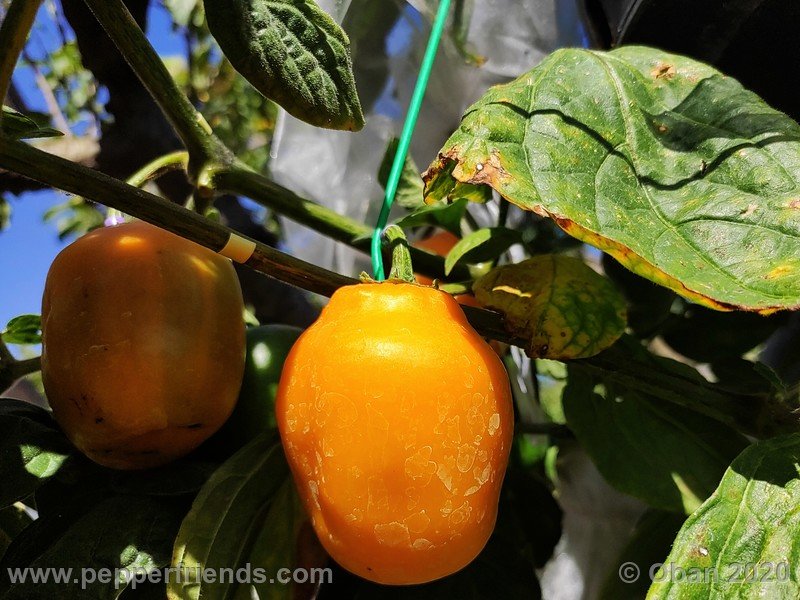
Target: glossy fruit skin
{"type": "Point", "coordinates": [143, 344]}
{"type": "Point", "coordinates": [397, 420]}
{"type": "Point", "coordinates": [267, 349]}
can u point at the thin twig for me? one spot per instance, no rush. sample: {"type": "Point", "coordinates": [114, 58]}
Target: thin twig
{"type": "Point", "coordinates": [59, 120]}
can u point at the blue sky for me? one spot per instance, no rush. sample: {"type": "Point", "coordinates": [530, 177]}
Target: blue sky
{"type": "Point", "coordinates": [29, 246]}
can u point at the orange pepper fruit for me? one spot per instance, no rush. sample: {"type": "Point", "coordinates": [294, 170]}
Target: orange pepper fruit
{"type": "Point", "coordinates": [143, 344]}
{"type": "Point", "coordinates": [397, 421]}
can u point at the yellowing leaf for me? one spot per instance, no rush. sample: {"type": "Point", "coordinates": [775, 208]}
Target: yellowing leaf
{"type": "Point", "coordinates": [678, 172]}
{"type": "Point", "coordinates": [560, 304]}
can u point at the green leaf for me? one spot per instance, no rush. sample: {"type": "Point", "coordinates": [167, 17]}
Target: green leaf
{"type": "Point", "coordinates": [32, 449]}
{"type": "Point", "coordinates": [278, 542]}
{"type": "Point", "coordinates": [293, 53]}
{"type": "Point", "coordinates": [409, 188]}
{"type": "Point", "coordinates": [184, 476]}
{"type": "Point", "coordinates": [74, 217]}
{"type": "Point", "coordinates": [13, 519]}
{"type": "Point", "coordinates": [440, 186]}
{"type": "Point", "coordinates": [675, 170]}
{"type": "Point", "coordinates": [649, 545]}
{"type": "Point", "coordinates": [552, 377]}
{"type": "Point", "coordinates": [564, 308]}
{"type": "Point", "coordinates": [19, 127]}
{"type": "Point", "coordinates": [478, 246]}
{"type": "Point", "coordinates": [226, 517]}
{"type": "Point", "coordinates": [708, 336]}
{"type": "Point", "coordinates": [181, 10]}
{"type": "Point", "coordinates": [25, 329]}
{"type": "Point", "coordinates": [537, 513]}
{"type": "Point", "coordinates": [446, 216]}
{"type": "Point", "coordinates": [670, 457]}
{"type": "Point", "coordinates": [649, 305]}
{"type": "Point", "coordinates": [751, 519]}
{"type": "Point", "coordinates": [122, 532]}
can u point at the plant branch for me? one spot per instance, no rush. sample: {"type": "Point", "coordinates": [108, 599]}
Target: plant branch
{"type": "Point", "coordinates": [5, 353]}
{"type": "Point", "coordinates": [755, 414]}
{"type": "Point", "coordinates": [190, 125]}
{"type": "Point", "coordinates": [241, 180]}
{"type": "Point", "coordinates": [11, 370]}
{"type": "Point", "coordinates": [173, 161]}
{"type": "Point", "coordinates": [20, 368]}
{"type": "Point", "coordinates": [62, 174]}
{"type": "Point", "coordinates": [13, 33]}
{"type": "Point", "coordinates": [207, 151]}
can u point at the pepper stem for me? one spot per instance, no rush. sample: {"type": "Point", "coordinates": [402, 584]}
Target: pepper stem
{"type": "Point", "coordinates": [402, 268]}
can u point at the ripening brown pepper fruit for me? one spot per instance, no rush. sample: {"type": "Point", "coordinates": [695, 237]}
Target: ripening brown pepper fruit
{"type": "Point", "coordinates": [143, 344]}
{"type": "Point", "coordinates": [396, 418]}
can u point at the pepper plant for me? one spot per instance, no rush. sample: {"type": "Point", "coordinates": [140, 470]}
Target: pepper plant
{"type": "Point", "coordinates": [655, 250]}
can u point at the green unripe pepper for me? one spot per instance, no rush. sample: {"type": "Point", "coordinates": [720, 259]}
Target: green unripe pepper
{"type": "Point", "coordinates": [267, 349]}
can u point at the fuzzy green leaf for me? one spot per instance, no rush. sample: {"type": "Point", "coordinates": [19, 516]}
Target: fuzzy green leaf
{"type": "Point", "coordinates": [121, 532]}
{"type": "Point", "coordinates": [292, 52]}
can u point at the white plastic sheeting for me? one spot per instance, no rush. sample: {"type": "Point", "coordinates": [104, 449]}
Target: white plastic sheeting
{"type": "Point", "coordinates": [339, 169]}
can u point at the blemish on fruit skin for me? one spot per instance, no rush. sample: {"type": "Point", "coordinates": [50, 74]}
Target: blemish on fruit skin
{"type": "Point", "coordinates": [420, 465]}
{"type": "Point", "coordinates": [418, 522]}
{"type": "Point", "coordinates": [461, 514]}
{"type": "Point", "coordinates": [466, 458]}
{"type": "Point", "coordinates": [392, 534]}
{"type": "Point", "coordinates": [412, 497]}
{"type": "Point", "coordinates": [445, 472]}
{"type": "Point", "coordinates": [494, 424]}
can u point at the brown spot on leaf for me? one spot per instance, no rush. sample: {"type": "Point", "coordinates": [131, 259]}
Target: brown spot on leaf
{"type": "Point", "coordinates": [663, 71]}
{"type": "Point", "coordinates": [751, 208]}
{"type": "Point", "coordinates": [794, 203]}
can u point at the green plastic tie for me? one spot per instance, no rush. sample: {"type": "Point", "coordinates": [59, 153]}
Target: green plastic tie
{"type": "Point", "coordinates": [405, 137]}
